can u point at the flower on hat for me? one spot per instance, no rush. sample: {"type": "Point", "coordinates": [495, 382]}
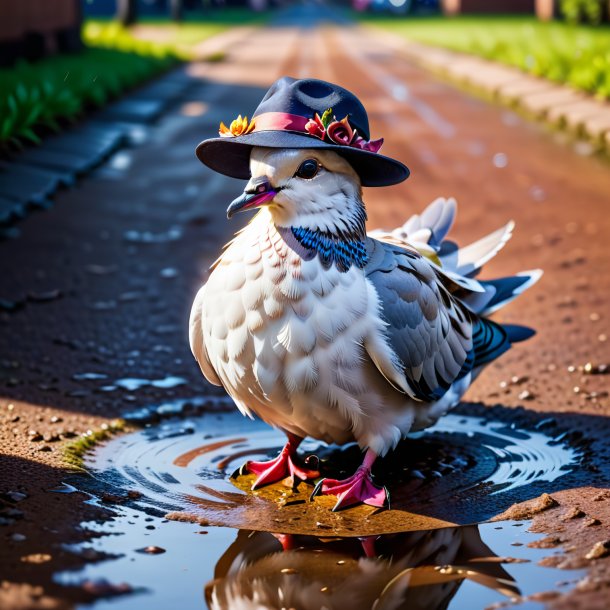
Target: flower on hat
{"type": "Point", "coordinates": [371, 146]}
{"type": "Point", "coordinates": [238, 127]}
{"type": "Point", "coordinates": [340, 132]}
{"type": "Point", "coordinates": [315, 127]}
{"type": "Point", "coordinates": [327, 127]}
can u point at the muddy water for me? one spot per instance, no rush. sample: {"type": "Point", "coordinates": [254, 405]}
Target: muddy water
{"type": "Point", "coordinates": [228, 546]}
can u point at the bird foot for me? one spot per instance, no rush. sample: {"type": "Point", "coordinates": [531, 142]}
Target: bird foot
{"type": "Point", "coordinates": [278, 469]}
{"type": "Point", "coordinates": [359, 488]}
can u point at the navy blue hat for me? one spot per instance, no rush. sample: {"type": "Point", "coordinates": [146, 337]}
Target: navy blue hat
{"type": "Point", "coordinates": [306, 113]}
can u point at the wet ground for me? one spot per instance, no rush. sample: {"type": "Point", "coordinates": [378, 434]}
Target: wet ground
{"type": "Point", "coordinates": [95, 295]}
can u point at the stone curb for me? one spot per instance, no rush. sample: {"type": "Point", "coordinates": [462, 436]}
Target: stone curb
{"type": "Point", "coordinates": [559, 105]}
{"type": "Point", "coordinates": [29, 179]}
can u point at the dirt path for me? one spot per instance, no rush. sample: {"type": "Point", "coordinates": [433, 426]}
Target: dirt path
{"type": "Point", "coordinates": [102, 283]}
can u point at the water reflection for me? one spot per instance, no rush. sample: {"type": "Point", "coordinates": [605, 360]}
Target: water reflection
{"type": "Point", "coordinates": [407, 570]}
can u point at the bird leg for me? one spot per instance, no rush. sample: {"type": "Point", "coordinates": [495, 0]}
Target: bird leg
{"type": "Point", "coordinates": [281, 467]}
{"type": "Point", "coordinates": [357, 488]}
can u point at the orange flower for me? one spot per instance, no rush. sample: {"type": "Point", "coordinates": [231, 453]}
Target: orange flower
{"type": "Point", "coordinates": [238, 127]}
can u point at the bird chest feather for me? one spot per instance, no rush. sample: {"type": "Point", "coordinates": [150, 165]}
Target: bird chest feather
{"type": "Point", "coordinates": [281, 331]}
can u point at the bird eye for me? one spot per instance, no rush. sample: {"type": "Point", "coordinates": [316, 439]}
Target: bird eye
{"type": "Point", "coordinates": [308, 169]}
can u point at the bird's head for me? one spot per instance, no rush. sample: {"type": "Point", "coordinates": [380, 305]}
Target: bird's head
{"type": "Point", "coordinates": [311, 188]}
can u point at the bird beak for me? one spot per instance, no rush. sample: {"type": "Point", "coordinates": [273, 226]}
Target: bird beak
{"type": "Point", "coordinates": [257, 192]}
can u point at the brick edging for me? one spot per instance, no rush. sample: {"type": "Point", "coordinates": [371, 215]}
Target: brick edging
{"type": "Point", "coordinates": [557, 104]}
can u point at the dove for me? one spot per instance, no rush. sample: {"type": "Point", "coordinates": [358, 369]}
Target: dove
{"type": "Point", "coordinates": [322, 329]}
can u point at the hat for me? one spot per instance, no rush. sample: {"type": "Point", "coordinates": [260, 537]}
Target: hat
{"type": "Point", "coordinates": [305, 113]}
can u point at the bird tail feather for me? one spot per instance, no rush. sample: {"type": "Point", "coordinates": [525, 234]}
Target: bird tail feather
{"type": "Point", "coordinates": [427, 233]}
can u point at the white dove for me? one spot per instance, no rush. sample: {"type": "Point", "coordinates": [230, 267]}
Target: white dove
{"type": "Point", "coordinates": [322, 330]}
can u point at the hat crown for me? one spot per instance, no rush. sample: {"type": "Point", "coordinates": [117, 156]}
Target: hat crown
{"type": "Point", "coordinates": [308, 96]}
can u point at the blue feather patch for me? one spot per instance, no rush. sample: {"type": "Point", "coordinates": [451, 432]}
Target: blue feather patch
{"type": "Point", "coordinates": [332, 249]}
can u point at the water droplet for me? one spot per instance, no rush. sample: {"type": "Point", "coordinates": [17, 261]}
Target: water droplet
{"type": "Point", "coordinates": [500, 160]}
{"type": "Point", "coordinates": [88, 376]}
{"type": "Point", "coordinates": [168, 273]}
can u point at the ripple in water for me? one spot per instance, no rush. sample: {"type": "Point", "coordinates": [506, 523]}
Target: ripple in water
{"type": "Point", "coordinates": [464, 470]}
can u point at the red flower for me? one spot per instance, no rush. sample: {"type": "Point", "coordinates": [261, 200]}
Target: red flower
{"type": "Point", "coordinates": [340, 132]}
{"type": "Point", "coordinates": [315, 127]}
{"type": "Point", "coordinates": [371, 146]}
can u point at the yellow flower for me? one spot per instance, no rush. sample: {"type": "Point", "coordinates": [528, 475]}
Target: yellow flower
{"type": "Point", "coordinates": [238, 127]}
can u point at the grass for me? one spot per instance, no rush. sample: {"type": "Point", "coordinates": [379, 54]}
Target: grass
{"type": "Point", "coordinates": [577, 55]}
{"type": "Point", "coordinates": [37, 98]}
{"type": "Point", "coordinates": [178, 38]}
{"type": "Point", "coordinates": [41, 97]}
{"type": "Point", "coordinates": [74, 452]}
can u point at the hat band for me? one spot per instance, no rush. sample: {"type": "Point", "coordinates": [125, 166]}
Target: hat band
{"type": "Point", "coordinates": [326, 128]}
{"type": "Point", "coordinates": [279, 121]}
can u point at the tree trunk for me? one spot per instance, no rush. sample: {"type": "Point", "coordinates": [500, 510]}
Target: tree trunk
{"type": "Point", "coordinates": [127, 12]}
{"type": "Point", "coordinates": [176, 8]}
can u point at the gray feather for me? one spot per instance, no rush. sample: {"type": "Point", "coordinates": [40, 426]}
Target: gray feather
{"type": "Point", "coordinates": [426, 327]}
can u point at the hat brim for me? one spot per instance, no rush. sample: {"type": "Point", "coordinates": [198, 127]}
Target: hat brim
{"type": "Point", "coordinates": [231, 156]}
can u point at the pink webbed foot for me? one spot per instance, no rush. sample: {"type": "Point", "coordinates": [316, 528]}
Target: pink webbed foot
{"type": "Point", "coordinates": [357, 489]}
{"type": "Point", "coordinates": [281, 467]}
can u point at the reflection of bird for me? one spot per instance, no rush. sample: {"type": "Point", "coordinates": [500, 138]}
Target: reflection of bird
{"type": "Point", "coordinates": [325, 331]}
{"type": "Point", "coordinates": [413, 572]}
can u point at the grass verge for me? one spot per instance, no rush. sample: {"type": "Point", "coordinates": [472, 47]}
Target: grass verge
{"type": "Point", "coordinates": [41, 97]}
{"type": "Point", "coordinates": [38, 98]}
{"type": "Point", "coordinates": [577, 55]}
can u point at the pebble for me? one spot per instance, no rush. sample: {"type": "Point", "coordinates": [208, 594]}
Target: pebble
{"type": "Point", "coordinates": [518, 380]}
{"type": "Point", "coordinates": [16, 496]}
{"type": "Point", "coordinates": [526, 395]}
{"type": "Point", "coordinates": [527, 510]}
{"type": "Point", "coordinates": [151, 550]}
{"type": "Point", "coordinates": [18, 537]}
{"type": "Point", "coordinates": [595, 369]}
{"type": "Point", "coordinates": [546, 543]}
{"type": "Point", "coordinates": [574, 513]}
{"type": "Point", "coordinates": [599, 550]}
{"type": "Point", "coordinates": [36, 558]}
{"type": "Point", "coordinates": [35, 436]}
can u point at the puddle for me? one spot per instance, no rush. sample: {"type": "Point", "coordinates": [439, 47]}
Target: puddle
{"type": "Point", "coordinates": [222, 543]}
{"type": "Point", "coordinates": [463, 470]}
{"type": "Point", "coordinates": [148, 237]}
{"type": "Point", "coordinates": [466, 568]}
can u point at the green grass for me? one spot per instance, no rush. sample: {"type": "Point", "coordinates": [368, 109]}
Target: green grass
{"type": "Point", "coordinates": [179, 38]}
{"type": "Point", "coordinates": [74, 452]}
{"type": "Point", "coordinates": [577, 55]}
{"type": "Point", "coordinates": [40, 97]}
{"type": "Point", "coordinates": [37, 98]}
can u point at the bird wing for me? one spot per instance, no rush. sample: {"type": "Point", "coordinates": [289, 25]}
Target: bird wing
{"type": "Point", "coordinates": [196, 340]}
{"type": "Point", "coordinates": [430, 331]}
